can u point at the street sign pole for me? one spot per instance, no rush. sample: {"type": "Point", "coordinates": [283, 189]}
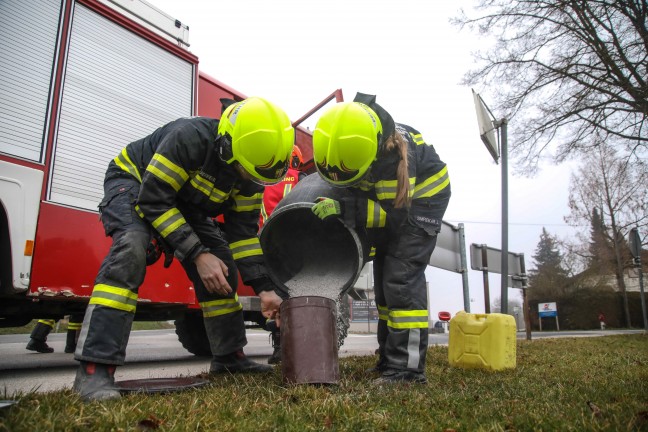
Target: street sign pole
{"type": "Point", "coordinates": [635, 248]}
{"type": "Point", "coordinates": [464, 267]}
{"type": "Point", "coordinates": [487, 125]}
{"type": "Point", "coordinates": [504, 156]}
{"type": "Point", "coordinates": [484, 252]}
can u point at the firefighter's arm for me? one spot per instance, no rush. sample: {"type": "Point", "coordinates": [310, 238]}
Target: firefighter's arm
{"type": "Point", "coordinates": [240, 224]}
{"type": "Point", "coordinates": [352, 211]}
{"type": "Point", "coordinates": [167, 172]}
{"type": "Point", "coordinates": [213, 272]}
{"type": "Point", "coordinates": [270, 303]}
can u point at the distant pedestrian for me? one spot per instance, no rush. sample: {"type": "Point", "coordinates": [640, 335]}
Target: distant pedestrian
{"type": "Point", "coordinates": [601, 318]}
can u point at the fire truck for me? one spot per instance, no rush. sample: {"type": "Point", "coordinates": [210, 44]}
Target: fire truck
{"type": "Point", "coordinates": [79, 80]}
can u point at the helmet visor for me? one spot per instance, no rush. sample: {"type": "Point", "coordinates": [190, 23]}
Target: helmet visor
{"type": "Point", "coordinates": [269, 175]}
{"type": "Point", "coordinates": [340, 176]}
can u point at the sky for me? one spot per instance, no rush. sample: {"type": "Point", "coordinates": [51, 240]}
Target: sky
{"type": "Point", "coordinates": [410, 56]}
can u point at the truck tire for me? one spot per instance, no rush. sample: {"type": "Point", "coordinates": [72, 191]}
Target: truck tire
{"type": "Point", "coordinates": [192, 334]}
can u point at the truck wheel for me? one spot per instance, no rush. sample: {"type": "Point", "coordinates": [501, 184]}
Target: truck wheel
{"type": "Point", "coordinates": [192, 334]}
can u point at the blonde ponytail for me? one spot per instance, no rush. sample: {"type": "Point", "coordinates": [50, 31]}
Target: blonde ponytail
{"type": "Point", "coordinates": [396, 143]}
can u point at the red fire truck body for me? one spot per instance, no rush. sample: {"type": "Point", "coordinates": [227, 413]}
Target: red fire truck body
{"type": "Point", "coordinates": [80, 80]}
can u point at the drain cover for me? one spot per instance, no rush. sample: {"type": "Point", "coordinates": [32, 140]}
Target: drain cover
{"type": "Point", "coordinates": [160, 385]}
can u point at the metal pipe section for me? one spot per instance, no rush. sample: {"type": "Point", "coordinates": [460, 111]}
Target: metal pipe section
{"type": "Point", "coordinates": [306, 256]}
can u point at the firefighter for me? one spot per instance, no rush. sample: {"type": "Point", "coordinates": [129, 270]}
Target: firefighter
{"type": "Point", "coordinates": [400, 193]}
{"type": "Point", "coordinates": [38, 338]}
{"type": "Point", "coordinates": [173, 183]}
{"type": "Point", "coordinates": [271, 197]}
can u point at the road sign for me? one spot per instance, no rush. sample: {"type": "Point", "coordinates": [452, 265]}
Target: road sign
{"type": "Point", "coordinates": [487, 126]}
{"type": "Point", "coordinates": [494, 260]}
{"type": "Point", "coordinates": [447, 253]}
{"type": "Point", "coordinates": [547, 309]}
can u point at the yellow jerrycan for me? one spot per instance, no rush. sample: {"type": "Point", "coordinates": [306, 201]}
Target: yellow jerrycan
{"type": "Point", "coordinates": [484, 341]}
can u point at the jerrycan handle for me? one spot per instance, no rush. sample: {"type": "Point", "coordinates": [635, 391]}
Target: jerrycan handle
{"type": "Point", "coordinates": [480, 317]}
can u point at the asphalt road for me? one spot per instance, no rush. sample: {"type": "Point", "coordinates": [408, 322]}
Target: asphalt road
{"type": "Point", "coordinates": [158, 354]}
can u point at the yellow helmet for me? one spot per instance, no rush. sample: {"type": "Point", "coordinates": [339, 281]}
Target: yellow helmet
{"type": "Point", "coordinates": [259, 136]}
{"type": "Point", "coordinates": [345, 142]}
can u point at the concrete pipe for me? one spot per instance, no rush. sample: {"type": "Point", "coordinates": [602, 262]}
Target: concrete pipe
{"type": "Point", "coordinates": [306, 256]}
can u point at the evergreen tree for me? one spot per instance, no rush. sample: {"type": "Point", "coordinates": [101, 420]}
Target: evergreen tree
{"type": "Point", "coordinates": [601, 250]}
{"type": "Point", "coordinates": [548, 280]}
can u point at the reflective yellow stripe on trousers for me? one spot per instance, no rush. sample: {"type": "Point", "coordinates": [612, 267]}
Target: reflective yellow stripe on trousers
{"type": "Point", "coordinates": [220, 307]}
{"type": "Point", "coordinates": [410, 319]}
{"type": "Point", "coordinates": [113, 297]}
{"type": "Point", "coordinates": [383, 313]}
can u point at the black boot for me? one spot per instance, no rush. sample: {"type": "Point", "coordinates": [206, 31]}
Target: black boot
{"type": "Point", "coordinates": [38, 337]}
{"type": "Point", "coordinates": [275, 337]}
{"type": "Point", "coordinates": [236, 362]}
{"type": "Point", "coordinates": [96, 381]}
{"type": "Point", "coordinates": [395, 376]}
{"type": "Point", "coordinates": [70, 341]}
{"type": "Point", "coordinates": [381, 364]}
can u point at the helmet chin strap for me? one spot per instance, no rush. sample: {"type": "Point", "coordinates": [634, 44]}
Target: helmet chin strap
{"type": "Point", "coordinates": [386, 119]}
{"type": "Point", "coordinates": [223, 148]}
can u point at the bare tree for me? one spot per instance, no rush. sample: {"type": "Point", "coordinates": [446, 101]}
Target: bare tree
{"type": "Point", "coordinates": [573, 74]}
{"type": "Point", "coordinates": [618, 191]}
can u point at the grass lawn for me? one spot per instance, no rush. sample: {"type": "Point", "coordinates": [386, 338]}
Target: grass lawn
{"type": "Point", "coordinates": [567, 384]}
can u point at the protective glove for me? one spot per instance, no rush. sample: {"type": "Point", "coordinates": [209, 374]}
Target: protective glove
{"type": "Point", "coordinates": [168, 253]}
{"type": "Point", "coordinates": [326, 207]}
{"type": "Point", "coordinates": [155, 249]}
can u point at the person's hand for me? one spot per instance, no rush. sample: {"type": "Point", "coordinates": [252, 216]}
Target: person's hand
{"type": "Point", "coordinates": [270, 303]}
{"type": "Point", "coordinates": [213, 272]}
{"type": "Point", "coordinates": [326, 207]}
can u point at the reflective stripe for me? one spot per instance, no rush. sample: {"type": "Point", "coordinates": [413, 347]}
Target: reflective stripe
{"type": "Point", "coordinates": [433, 185]}
{"type": "Point", "coordinates": [113, 297]}
{"type": "Point", "coordinates": [243, 203]}
{"type": "Point", "coordinates": [408, 319]}
{"type": "Point", "coordinates": [49, 323]}
{"type": "Point", "coordinates": [207, 188]}
{"type": "Point", "coordinates": [169, 222]}
{"type": "Point", "coordinates": [287, 189]}
{"type": "Point", "coordinates": [376, 216]}
{"type": "Point", "coordinates": [139, 212]}
{"type": "Point", "coordinates": [167, 171]}
{"type": "Point", "coordinates": [74, 326]}
{"type": "Point", "coordinates": [383, 313]}
{"type": "Point", "coordinates": [123, 161]}
{"type": "Point", "coordinates": [264, 214]}
{"type": "Point", "coordinates": [418, 138]}
{"type": "Point", "coordinates": [372, 252]}
{"type": "Point", "coordinates": [246, 248]}
{"type": "Point", "coordinates": [365, 185]}
{"type": "Point", "coordinates": [386, 189]}
{"type": "Point", "coordinates": [413, 348]}
{"type": "Point", "coordinates": [220, 307]}
{"type": "Point", "coordinates": [412, 183]}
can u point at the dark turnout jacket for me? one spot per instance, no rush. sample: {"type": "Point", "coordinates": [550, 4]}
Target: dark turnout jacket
{"type": "Point", "coordinates": [180, 173]}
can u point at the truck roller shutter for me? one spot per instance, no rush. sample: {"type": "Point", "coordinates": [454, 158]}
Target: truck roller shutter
{"type": "Point", "coordinates": [118, 87]}
{"type": "Point", "coordinates": [28, 43]}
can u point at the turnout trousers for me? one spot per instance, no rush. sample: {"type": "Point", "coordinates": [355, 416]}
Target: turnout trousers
{"type": "Point", "coordinates": [402, 255]}
{"type": "Point", "coordinates": [109, 316]}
